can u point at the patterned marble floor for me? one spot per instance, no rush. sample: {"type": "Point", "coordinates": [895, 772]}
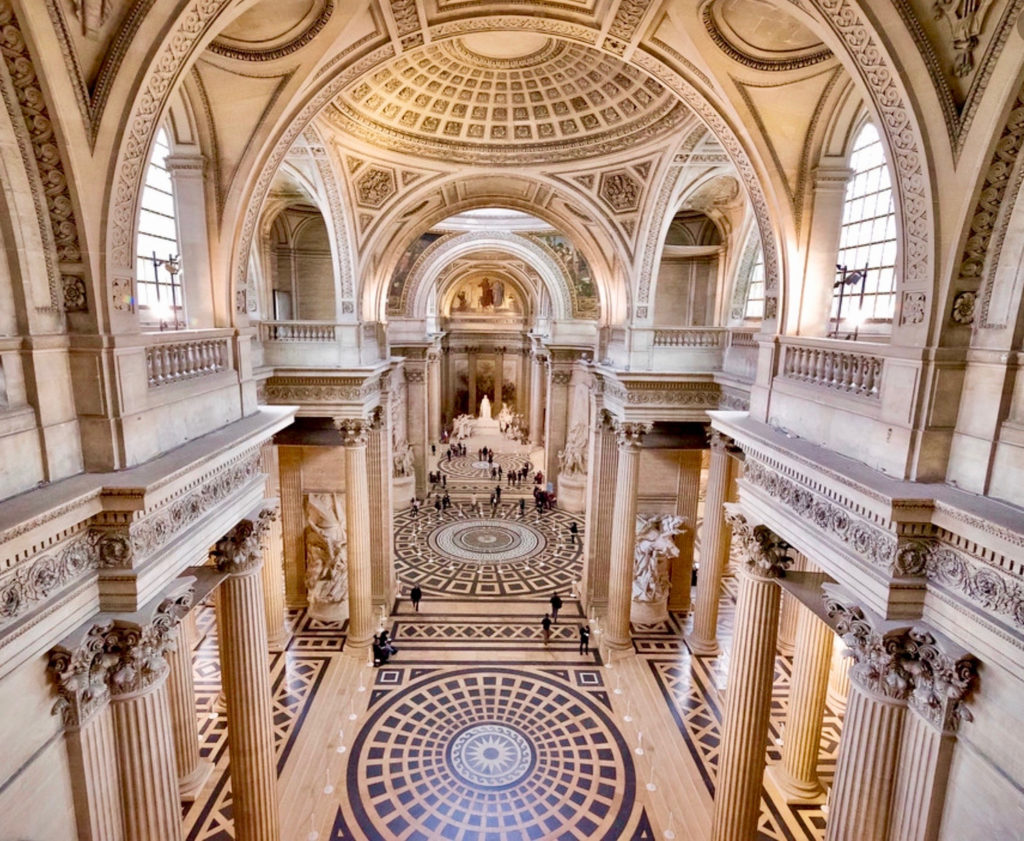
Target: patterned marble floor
{"type": "Point", "coordinates": [479, 731]}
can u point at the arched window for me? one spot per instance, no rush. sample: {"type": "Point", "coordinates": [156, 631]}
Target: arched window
{"type": "Point", "coordinates": [158, 258]}
{"type": "Point", "coordinates": [867, 242]}
{"type": "Point", "coordinates": [754, 307]}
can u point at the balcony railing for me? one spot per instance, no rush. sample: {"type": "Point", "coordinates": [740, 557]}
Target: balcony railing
{"type": "Point", "coordinates": [855, 373]}
{"type": "Point", "coordinates": [298, 331]}
{"type": "Point", "coordinates": [693, 337]}
{"type": "Point", "coordinates": [172, 362]}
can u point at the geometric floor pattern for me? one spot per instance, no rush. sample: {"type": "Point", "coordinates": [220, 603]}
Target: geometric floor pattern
{"type": "Point", "coordinates": [471, 468]}
{"type": "Point", "coordinates": [457, 554]}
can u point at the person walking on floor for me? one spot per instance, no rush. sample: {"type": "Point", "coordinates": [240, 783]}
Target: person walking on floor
{"type": "Point", "coordinates": [573, 531]}
{"type": "Point", "coordinates": [584, 639]}
{"type": "Point", "coordinates": [556, 605]}
{"type": "Point", "coordinates": [545, 625]}
{"type": "Point", "coordinates": [415, 594]}
{"type": "Point", "coordinates": [522, 507]}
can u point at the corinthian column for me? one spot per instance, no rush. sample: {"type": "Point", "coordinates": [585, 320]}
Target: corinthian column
{"type": "Point", "coordinates": [278, 633]}
{"type": "Point", "coordinates": [142, 720]}
{"type": "Point", "coordinates": [751, 674]}
{"type": "Point", "coordinates": [245, 676]}
{"type": "Point", "coordinates": [537, 400]}
{"type": "Point", "coordinates": [434, 397]}
{"type": "Point", "coordinates": [380, 467]}
{"type": "Point", "coordinates": [192, 771]}
{"type": "Point", "coordinates": [943, 675]}
{"type": "Point", "coordinates": [557, 417]}
{"type": "Point", "coordinates": [77, 667]}
{"type": "Point", "coordinates": [797, 775]}
{"type": "Point", "coordinates": [628, 438]}
{"type": "Point", "coordinates": [880, 683]}
{"type": "Point", "coordinates": [601, 495]}
{"type": "Point", "coordinates": [714, 551]}
{"type": "Point", "coordinates": [354, 432]}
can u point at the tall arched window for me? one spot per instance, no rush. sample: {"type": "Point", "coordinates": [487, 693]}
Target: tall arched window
{"type": "Point", "coordinates": [867, 242]}
{"type": "Point", "coordinates": [158, 258]}
{"type": "Point", "coordinates": [754, 307]}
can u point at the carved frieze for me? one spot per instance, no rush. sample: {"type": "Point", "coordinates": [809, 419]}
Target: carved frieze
{"type": "Point", "coordinates": [34, 581]}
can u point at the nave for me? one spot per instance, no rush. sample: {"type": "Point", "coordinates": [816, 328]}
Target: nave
{"type": "Point", "coordinates": [478, 730]}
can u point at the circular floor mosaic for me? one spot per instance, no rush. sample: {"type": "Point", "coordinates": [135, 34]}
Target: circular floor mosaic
{"type": "Point", "coordinates": [470, 467]}
{"type": "Point", "coordinates": [491, 754]}
{"type": "Point", "coordinates": [456, 554]}
{"type": "Point", "coordinates": [487, 541]}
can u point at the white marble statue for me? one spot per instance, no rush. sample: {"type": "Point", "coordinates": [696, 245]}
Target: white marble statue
{"type": "Point", "coordinates": [654, 548]}
{"type": "Point", "coordinates": [402, 460]}
{"type": "Point", "coordinates": [485, 409]}
{"type": "Point", "coordinates": [326, 550]}
{"type": "Point", "coordinates": [462, 427]}
{"type": "Point", "coordinates": [572, 460]}
{"type": "Point", "coordinates": [505, 417]}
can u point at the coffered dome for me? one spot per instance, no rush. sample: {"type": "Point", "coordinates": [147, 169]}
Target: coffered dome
{"type": "Point", "coordinates": [506, 98]}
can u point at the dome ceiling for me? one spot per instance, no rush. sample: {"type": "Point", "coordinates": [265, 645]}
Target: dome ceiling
{"type": "Point", "coordinates": [506, 98]}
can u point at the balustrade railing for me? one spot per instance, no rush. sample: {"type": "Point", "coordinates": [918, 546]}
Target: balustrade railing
{"type": "Point", "coordinates": [173, 362]}
{"type": "Point", "coordinates": [297, 331]}
{"type": "Point", "coordinates": [859, 374]}
{"type": "Point", "coordinates": [696, 337]}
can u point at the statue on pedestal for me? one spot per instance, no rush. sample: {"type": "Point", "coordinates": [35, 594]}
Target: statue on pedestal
{"type": "Point", "coordinates": [572, 460]}
{"type": "Point", "coordinates": [403, 462]}
{"type": "Point", "coordinates": [485, 409]}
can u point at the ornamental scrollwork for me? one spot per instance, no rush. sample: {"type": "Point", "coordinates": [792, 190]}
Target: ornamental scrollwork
{"type": "Point", "coordinates": [942, 681]}
{"type": "Point", "coordinates": [241, 549]}
{"type": "Point", "coordinates": [881, 656]}
{"type": "Point", "coordinates": [80, 675]}
{"type": "Point", "coordinates": [762, 550]}
{"type": "Point", "coordinates": [629, 436]}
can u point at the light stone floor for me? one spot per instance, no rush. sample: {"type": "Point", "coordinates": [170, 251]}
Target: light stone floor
{"type": "Point", "coordinates": [477, 730]}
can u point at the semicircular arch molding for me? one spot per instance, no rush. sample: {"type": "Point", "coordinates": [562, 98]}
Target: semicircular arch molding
{"type": "Point", "coordinates": [422, 281]}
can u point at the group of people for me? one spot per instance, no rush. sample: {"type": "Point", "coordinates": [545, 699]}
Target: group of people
{"type": "Point", "coordinates": [551, 618]}
{"type": "Point", "coordinates": [544, 500]}
{"type": "Point", "coordinates": [517, 477]}
{"type": "Point", "coordinates": [456, 449]}
{"type": "Point", "coordinates": [383, 648]}
{"type": "Point", "coordinates": [436, 477]}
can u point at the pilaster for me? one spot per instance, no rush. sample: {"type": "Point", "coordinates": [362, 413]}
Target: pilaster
{"type": "Point", "coordinates": [604, 461]}
{"type": "Point", "coordinates": [537, 369]}
{"type": "Point", "coordinates": [278, 632]}
{"type": "Point", "coordinates": [687, 495]}
{"type": "Point", "coordinates": [557, 415]}
{"type": "Point", "coordinates": [354, 433]}
{"type": "Point", "coordinates": [379, 473]}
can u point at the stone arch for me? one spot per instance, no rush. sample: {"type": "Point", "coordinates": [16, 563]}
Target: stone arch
{"type": "Point", "coordinates": [425, 272]}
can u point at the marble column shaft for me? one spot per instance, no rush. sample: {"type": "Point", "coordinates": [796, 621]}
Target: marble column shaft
{"type": "Point", "coordinates": [839, 679]}
{"type": "Point", "coordinates": [245, 677]}
{"type": "Point", "coordinates": [623, 538]}
{"type": "Point", "coordinates": [278, 633]}
{"type": "Point", "coordinates": [293, 525]}
{"type": "Point", "coordinates": [433, 398]}
{"type": "Point", "coordinates": [145, 750]}
{"type": "Point", "coordinates": [192, 771]}
{"type": "Point", "coordinates": [790, 611]}
{"type": "Point", "coordinates": [714, 552]}
{"type": "Point", "coordinates": [357, 513]}
{"type": "Point", "coordinates": [416, 420]}
{"type": "Point", "coordinates": [925, 756]}
{"type": "Point", "coordinates": [797, 774]}
{"type": "Point", "coordinates": [687, 493]}
{"type": "Point", "coordinates": [382, 550]}
{"type": "Point", "coordinates": [604, 465]}
{"type": "Point", "coordinates": [747, 708]}
{"type": "Point", "coordinates": [536, 400]}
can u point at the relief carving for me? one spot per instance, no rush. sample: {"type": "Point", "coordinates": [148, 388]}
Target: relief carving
{"type": "Point", "coordinates": [655, 547]}
{"type": "Point", "coordinates": [326, 554]}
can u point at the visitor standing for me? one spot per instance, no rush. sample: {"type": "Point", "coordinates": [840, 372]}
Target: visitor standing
{"type": "Point", "coordinates": [584, 639]}
{"type": "Point", "coordinates": [415, 594]}
{"type": "Point", "coordinates": [574, 530]}
{"type": "Point", "coordinates": [545, 625]}
{"type": "Point", "coordinates": [556, 605]}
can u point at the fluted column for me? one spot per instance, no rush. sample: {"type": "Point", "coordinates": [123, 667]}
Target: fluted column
{"type": "Point", "coordinates": [278, 633]}
{"type": "Point", "coordinates": [751, 674]}
{"type": "Point", "coordinates": [839, 679]}
{"type": "Point", "coordinates": [416, 419]}
{"type": "Point", "coordinates": [943, 677]}
{"type": "Point", "coordinates": [556, 419]}
{"type": "Point", "coordinates": [77, 668]}
{"type": "Point", "coordinates": [192, 771]}
{"type": "Point", "coordinates": [137, 677]}
{"type": "Point", "coordinates": [628, 439]}
{"type": "Point", "coordinates": [790, 612]}
{"type": "Point", "coordinates": [433, 397]}
{"type": "Point", "coordinates": [796, 775]}
{"type": "Point", "coordinates": [379, 467]}
{"type": "Point", "coordinates": [603, 461]}
{"type": "Point", "coordinates": [293, 524]}
{"type": "Point", "coordinates": [537, 400]}
{"type": "Point", "coordinates": [245, 677]}
{"type": "Point", "coordinates": [861, 799]}
{"type": "Point", "coordinates": [714, 551]}
{"type": "Point", "coordinates": [354, 432]}
{"type": "Point", "coordinates": [687, 492]}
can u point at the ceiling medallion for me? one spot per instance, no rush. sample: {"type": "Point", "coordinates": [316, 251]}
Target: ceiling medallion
{"type": "Point", "coordinates": [759, 35]}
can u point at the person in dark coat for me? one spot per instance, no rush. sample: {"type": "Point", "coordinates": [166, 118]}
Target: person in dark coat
{"type": "Point", "coordinates": [574, 530]}
{"type": "Point", "coordinates": [584, 639]}
{"type": "Point", "coordinates": [556, 605]}
{"type": "Point", "coordinates": [545, 625]}
{"type": "Point", "coordinates": [415, 594]}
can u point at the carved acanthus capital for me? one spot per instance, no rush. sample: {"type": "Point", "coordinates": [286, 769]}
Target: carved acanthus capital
{"type": "Point", "coordinates": [80, 674]}
{"type": "Point", "coordinates": [629, 435]}
{"type": "Point", "coordinates": [560, 377]}
{"type": "Point", "coordinates": [720, 443]}
{"type": "Point", "coordinates": [354, 431]}
{"type": "Point", "coordinates": [762, 550]}
{"type": "Point", "coordinates": [943, 678]}
{"type": "Point", "coordinates": [240, 550]}
{"type": "Point", "coordinates": [137, 648]}
{"type": "Point", "coordinates": [881, 654]}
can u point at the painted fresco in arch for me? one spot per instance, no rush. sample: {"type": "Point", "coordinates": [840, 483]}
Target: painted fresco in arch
{"type": "Point", "coordinates": [401, 273]}
{"type": "Point", "coordinates": [584, 292]}
{"type": "Point", "coordinates": [486, 295]}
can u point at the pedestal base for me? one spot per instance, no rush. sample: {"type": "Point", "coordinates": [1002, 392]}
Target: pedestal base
{"type": "Point", "coordinates": [403, 489]}
{"type": "Point", "coordinates": [649, 613]}
{"type": "Point", "coordinates": [190, 787]}
{"type": "Point", "coordinates": [572, 493]}
{"type": "Point", "coordinates": [778, 782]}
{"type": "Point", "coordinates": [329, 611]}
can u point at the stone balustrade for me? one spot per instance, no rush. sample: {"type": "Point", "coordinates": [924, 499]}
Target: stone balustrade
{"type": "Point", "coordinates": [172, 362]}
{"type": "Point", "coordinates": [853, 372]}
{"type": "Point", "coordinates": [698, 337]}
{"type": "Point", "coordinates": [298, 331]}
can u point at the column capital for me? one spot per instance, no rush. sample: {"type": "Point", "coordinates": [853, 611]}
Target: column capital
{"type": "Point", "coordinates": [137, 647]}
{"type": "Point", "coordinates": [80, 674]}
{"type": "Point", "coordinates": [354, 431]}
{"type": "Point", "coordinates": [943, 677]}
{"type": "Point", "coordinates": [720, 442]}
{"type": "Point", "coordinates": [880, 649]}
{"type": "Point", "coordinates": [240, 550]}
{"type": "Point", "coordinates": [764, 552]}
{"type": "Point", "coordinates": [629, 435]}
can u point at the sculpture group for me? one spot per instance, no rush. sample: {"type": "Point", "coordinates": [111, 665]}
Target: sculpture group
{"type": "Point", "coordinates": [655, 547]}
